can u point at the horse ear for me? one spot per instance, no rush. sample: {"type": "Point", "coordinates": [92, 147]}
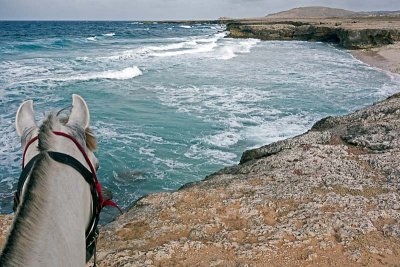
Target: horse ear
{"type": "Point", "coordinates": [25, 117]}
{"type": "Point", "coordinates": [79, 113]}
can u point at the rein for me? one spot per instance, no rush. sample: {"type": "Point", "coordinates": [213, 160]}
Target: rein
{"type": "Point", "coordinates": [90, 177]}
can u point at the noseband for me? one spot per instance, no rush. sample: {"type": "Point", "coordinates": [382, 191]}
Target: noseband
{"type": "Point", "coordinates": [90, 177]}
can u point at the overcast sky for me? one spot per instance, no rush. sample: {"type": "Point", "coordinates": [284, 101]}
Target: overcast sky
{"type": "Point", "coordinates": [168, 9]}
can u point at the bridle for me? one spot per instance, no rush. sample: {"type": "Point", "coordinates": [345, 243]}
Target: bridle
{"type": "Point", "coordinates": [90, 177]}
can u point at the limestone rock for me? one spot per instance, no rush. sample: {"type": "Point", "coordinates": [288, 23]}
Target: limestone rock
{"type": "Point", "coordinates": [347, 33]}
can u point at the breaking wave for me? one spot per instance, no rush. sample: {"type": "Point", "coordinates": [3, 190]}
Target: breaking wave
{"type": "Point", "coordinates": [125, 74]}
{"type": "Point", "coordinates": [233, 48]}
{"type": "Point", "coordinates": [214, 46]}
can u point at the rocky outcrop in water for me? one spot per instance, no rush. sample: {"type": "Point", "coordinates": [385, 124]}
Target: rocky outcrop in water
{"type": "Point", "coordinates": [329, 197]}
{"type": "Point", "coordinates": [354, 34]}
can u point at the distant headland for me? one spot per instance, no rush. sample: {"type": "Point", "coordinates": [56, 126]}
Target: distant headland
{"type": "Point", "coordinates": [373, 37]}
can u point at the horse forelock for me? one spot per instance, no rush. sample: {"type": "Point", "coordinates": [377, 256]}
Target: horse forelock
{"type": "Point", "coordinates": [45, 131]}
{"type": "Point", "coordinates": [85, 136]}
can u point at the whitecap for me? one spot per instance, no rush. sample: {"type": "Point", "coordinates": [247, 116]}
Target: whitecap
{"type": "Point", "coordinates": [214, 156]}
{"type": "Point", "coordinates": [128, 54]}
{"type": "Point", "coordinates": [91, 38]}
{"type": "Point", "coordinates": [271, 131]}
{"type": "Point", "coordinates": [390, 88]}
{"type": "Point", "coordinates": [147, 151]}
{"type": "Point", "coordinates": [125, 74]}
{"type": "Point", "coordinates": [232, 48]}
{"type": "Point", "coordinates": [109, 34]}
{"type": "Point", "coordinates": [175, 164]}
{"type": "Point", "coordinates": [191, 45]}
{"type": "Point", "coordinates": [199, 49]}
{"type": "Point", "coordinates": [108, 133]}
{"type": "Point", "coordinates": [224, 139]}
{"type": "Point", "coordinates": [185, 26]}
{"type": "Point", "coordinates": [148, 137]}
{"type": "Point", "coordinates": [173, 46]}
{"type": "Point", "coordinates": [172, 164]}
{"type": "Point", "coordinates": [168, 188]}
{"type": "Point", "coordinates": [84, 58]}
{"type": "Point", "coordinates": [226, 52]}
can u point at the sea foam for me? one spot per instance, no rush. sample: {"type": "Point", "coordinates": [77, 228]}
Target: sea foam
{"type": "Point", "coordinates": [199, 49]}
{"type": "Point", "coordinates": [125, 74]}
{"type": "Point", "coordinates": [224, 139]}
{"type": "Point", "coordinates": [232, 49]}
{"type": "Point", "coordinates": [189, 46]}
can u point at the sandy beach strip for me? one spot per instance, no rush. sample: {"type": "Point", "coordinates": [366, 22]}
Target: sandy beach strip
{"type": "Point", "coordinates": [385, 57]}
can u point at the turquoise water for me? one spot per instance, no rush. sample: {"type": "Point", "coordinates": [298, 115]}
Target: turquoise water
{"type": "Point", "coordinates": [172, 103]}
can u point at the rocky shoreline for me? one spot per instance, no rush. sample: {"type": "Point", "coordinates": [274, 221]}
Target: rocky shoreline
{"type": "Point", "coordinates": [328, 197]}
{"type": "Point", "coordinates": [373, 40]}
{"type": "Point", "coordinates": [350, 33]}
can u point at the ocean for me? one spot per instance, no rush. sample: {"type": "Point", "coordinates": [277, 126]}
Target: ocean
{"type": "Point", "coordinates": [172, 103]}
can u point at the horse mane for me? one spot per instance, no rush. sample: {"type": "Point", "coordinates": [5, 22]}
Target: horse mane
{"type": "Point", "coordinates": [22, 233]}
{"type": "Point", "coordinates": [91, 141]}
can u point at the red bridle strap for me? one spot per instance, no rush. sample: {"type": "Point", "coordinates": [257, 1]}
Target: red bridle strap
{"type": "Point", "coordinates": [26, 148]}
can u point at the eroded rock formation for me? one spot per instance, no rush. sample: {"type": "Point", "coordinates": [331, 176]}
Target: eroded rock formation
{"type": "Point", "coordinates": [350, 34]}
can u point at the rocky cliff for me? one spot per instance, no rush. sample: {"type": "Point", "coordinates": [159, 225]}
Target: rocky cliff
{"type": "Point", "coordinates": [351, 34]}
{"type": "Point", "coordinates": [329, 197]}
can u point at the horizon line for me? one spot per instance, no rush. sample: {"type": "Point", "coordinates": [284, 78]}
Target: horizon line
{"type": "Point", "coordinates": [111, 20]}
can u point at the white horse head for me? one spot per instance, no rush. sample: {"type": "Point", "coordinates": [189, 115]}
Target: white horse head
{"type": "Point", "coordinates": [77, 122]}
{"type": "Point", "coordinates": [56, 203]}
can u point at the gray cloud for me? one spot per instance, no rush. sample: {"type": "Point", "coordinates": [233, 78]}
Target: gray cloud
{"type": "Point", "coordinates": [169, 9]}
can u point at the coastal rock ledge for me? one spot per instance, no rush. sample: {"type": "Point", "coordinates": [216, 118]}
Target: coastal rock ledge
{"type": "Point", "coordinates": [327, 197]}
{"type": "Point", "coordinates": [360, 33]}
